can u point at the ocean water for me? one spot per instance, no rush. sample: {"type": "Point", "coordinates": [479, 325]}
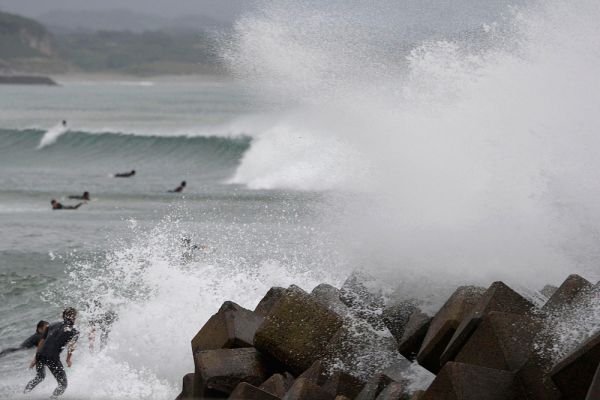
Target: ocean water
{"type": "Point", "coordinates": [455, 153]}
{"type": "Point", "coordinates": [124, 248]}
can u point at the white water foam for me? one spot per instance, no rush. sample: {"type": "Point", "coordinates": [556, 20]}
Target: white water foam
{"type": "Point", "coordinates": [477, 157]}
{"type": "Point", "coordinates": [52, 135]}
{"type": "Point", "coordinates": [163, 295]}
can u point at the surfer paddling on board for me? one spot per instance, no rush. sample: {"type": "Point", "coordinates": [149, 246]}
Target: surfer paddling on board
{"type": "Point", "coordinates": [58, 206]}
{"type": "Point", "coordinates": [85, 196]}
{"type": "Point", "coordinates": [125, 174]}
{"type": "Point", "coordinates": [179, 188]}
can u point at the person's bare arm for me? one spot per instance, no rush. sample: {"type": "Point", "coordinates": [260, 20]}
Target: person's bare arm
{"type": "Point", "coordinates": [70, 350]}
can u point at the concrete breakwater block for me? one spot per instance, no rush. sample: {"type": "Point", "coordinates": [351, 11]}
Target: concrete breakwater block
{"type": "Point", "coordinates": [484, 344]}
{"type": "Point", "coordinates": [360, 350]}
{"type": "Point", "coordinates": [187, 391]}
{"type": "Point", "coordinates": [594, 391]}
{"type": "Point", "coordinates": [395, 317]}
{"type": "Point", "coordinates": [498, 297]}
{"type": "Point", "coordinates": [567, 293]}
{"type": "Point", "coordinates": [222, 370]}
{"type": "Point", "coordinates": [574, 374]}
{"type": "Point", "coordinates": [534, 381]}
{"type": "Point", "coordinates": [245, 391]}
{"type": "Point", "coordinates": [269, 300]}
{"type": "Point", "coordinates": [360, 293]}
{"type": "Point", "coordinates": [278, 384]}
{"type": "Point", "coordinates": [296, 330]}
{"type": "Point", "coordinates": [341, 383]}
{"type": "Point", "coordinates": [548, 290]}
{"type": "Point", "coordinates": [316, 373]}
{"type": "Point", "coordinates": [414, 333]}
{"type": "Point", "coordinates": [501, 341]}
{"type": "Point", "coordinates": [418, 395]}
{"type": "Point", "coordinates": [303, 389]}
{"type": "Point", "coordinates": [444, 324]}
{"type": "Point", "coordinates": [373, 387]}
{"type": "Point", "coordinates": [457, 381]}
{"type": "Point", "coordinates": [394, 391]}
{"type": "Point", "coordinates": [231, 327]}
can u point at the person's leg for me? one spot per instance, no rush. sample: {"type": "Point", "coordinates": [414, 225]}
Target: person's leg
{"type": "Point", "coordinates": [57, 369]}
{"type": "Point", "coordinates": [41, 374]}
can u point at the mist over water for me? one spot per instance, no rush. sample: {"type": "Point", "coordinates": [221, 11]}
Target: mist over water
{"type": "Point", "coordinates": [464, 159]}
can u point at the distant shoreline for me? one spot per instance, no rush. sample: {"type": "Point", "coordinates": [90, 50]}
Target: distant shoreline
{"type": "Point", "coordinates": [57, 79]}
{"type": "Point", "coordinates": [109, 76]}
{"type": "Point", "coordinates": [27, 80]}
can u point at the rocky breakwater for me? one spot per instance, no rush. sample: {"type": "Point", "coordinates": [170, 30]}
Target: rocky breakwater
{"type": "Point", "coordinates": [483, 343]}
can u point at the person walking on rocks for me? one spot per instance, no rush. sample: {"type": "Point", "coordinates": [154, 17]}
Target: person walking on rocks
{"type": "Point", "coordinates": [48, 354]}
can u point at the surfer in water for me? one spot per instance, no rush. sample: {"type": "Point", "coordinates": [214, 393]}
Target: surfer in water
{"type": "Point", "coordinates": [58, 206]}
{"type": "Point", "coordinates": [125, 174]}
{"type": "Point", "coordinates": [179, 188]}
{"type": "Point", "coordinates": [29, 343]}
{"type": "Point", "coordinates": [85, 196]}
{"type": "Point", "coordinates": [54, 340]}
{"type": "Point", "coordinates": [64, 123]}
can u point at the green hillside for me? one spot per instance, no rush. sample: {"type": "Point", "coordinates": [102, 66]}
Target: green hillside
{"type": "Point", "coordinates": [27, 46]}
{"type": "Point", "coordinates": [23, 37]}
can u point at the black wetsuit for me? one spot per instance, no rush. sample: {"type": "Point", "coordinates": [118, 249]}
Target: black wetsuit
{"type": "Point", "coordinates": [59, 206]}
{"type": "Point", "coordinates": [29, 343]}
{"type": "Point", "coordinates": [56, 337]}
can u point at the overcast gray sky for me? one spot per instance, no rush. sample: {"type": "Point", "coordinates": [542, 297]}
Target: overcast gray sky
{"type": "Point", "coordinates": [225, 10]}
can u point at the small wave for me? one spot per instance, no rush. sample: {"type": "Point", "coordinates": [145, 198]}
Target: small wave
{"type": "Point", "coordinates": [52, 135]}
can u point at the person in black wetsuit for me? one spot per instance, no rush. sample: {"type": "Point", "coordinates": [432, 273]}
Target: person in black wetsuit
{"type": "Point", "coordinates": [29, 343]}
{"type": "Point", "coordinates": [55, 339]}
{"type": "Point", "coordinates": [58, 206]}
{"type": "Point", "coordinates": [179, 188]}
{"type": "Point", "coordinates": [85, 196]}
{"type": "Point", "coordinates": [125, 174]}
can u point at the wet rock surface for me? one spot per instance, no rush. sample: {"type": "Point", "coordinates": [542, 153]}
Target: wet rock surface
{"type": "Point", "coordinates": [482, 344]}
